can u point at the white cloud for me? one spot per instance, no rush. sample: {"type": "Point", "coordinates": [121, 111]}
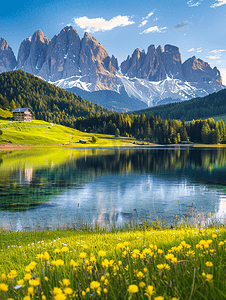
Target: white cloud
{"type": "Point", "coordinates": [100, 24]}
{"type": "Point", "coordinates": [143, 23]}
{"type": "Point", "coordinates": [217, 51]}
{"type": "Point", "coordinates": [191, 3]}
{"type": "Point", "coordinates": [191, 50]}
{"type": "Point", "coordinates": [154, 29]}
{"type": "Point", "coordinates": [148, 16]}
{"type": "Point", "coordinates": [218, 3]}
{"type": "Point", "coordinates": [199, 50]}
{"type": "Point", "coordinates": [214, 56]}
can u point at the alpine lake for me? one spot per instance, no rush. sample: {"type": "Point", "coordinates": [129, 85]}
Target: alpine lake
{"type": "Point", "coordinates": [48, 189]}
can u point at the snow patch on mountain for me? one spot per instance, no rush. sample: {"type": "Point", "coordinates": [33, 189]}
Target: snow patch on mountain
{"type": "Point", "coordinates": [150, 92]}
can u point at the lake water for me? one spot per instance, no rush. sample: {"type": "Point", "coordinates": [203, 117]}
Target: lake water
{"type": "Point", "coordinates": [51, 189]}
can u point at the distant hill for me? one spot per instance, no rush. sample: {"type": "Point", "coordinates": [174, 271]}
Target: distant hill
{"type": "Point", "coordinates": [197, 108]}
{"type": "Point", "coordinates": [110, 99]}
{"type": "Point", "coordinates": [48, 102]}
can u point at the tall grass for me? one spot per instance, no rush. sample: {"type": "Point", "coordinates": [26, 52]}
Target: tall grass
{"type": "Point", "coordinates": [181, 263]}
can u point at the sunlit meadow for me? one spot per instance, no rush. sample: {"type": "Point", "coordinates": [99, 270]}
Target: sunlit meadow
{"type": "Point", "coordinates": [160, 264]}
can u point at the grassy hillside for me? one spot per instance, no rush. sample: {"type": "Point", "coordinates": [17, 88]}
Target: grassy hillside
{"type": "Point", "coordinates": [48, 102]}
{"type": "Point", "coordinates": [206, 107]}
{"type": "Point", "coordinates": [4, 114]}
{"type": "Point", "coordinates": [45, 133]}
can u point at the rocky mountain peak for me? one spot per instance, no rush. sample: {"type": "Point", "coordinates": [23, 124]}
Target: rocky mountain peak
{"type": "Point", "coordinates": [7, 57]}
{"type": "Point", "coordinates": [200, 72]}
{"type": "Point", "coordinates": [32, 53]}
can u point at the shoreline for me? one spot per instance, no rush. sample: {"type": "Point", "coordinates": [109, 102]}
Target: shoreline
{"type": "Point", "coordinates": [11, 147]}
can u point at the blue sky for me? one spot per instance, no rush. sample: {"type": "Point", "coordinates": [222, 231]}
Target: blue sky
{"type": "Point", "coordinates": [197, 27]}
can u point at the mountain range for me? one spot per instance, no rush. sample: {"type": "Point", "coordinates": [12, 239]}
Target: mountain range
{"type": "Point", "coordinates": [83, 66]}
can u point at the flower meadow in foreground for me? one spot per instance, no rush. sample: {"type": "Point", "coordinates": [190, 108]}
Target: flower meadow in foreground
{"type": "Point", "coordinates": [188, 269]}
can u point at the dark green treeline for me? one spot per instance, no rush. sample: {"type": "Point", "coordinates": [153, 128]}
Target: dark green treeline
{"type": "Point", "coordinates": [154, 129]}
{"type": "Point", "coordinates": [48, 102]}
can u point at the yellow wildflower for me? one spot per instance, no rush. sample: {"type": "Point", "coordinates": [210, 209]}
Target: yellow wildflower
{"type": "Point", "coordinates": [57, 251]}
{"type": "Point", "coordinates": [60, 297]}
{"type": "Point", "coordinates": [58, 262]}
{"type": "Point", "coordinates": [57, 291]}
{"type": "Point", "coordinates": [149, 291]}
{"type": "Point", "coordinates": [140, 275]}
{"type": "Point", "coordinates": [142, 284]}
{"type": "Point", "coordinates": [126, 244]}
{"type": "Point", "coordinates": [46, 256]}
{"type": "Point", "coordinates": [83, 293]}
{"type": "Point", "coordinates": [73, 264]}
{"type": "Point", "coordinates": [3, 287]}
{"type": "Point", "coordinates": [12, 274]}
{"type": "Point", "coordinates": [27, 298]}
{"type": "Point", "coordinates": [34, 282]}
{"type": "Point", "coordinates": [94, 285]}
{"type": "Point", "coordinates": [102, 253]}
{"type": "Point", "coordinates": [209, 277]}
{"type": "Point", "coordinates": [65, 249]}
{"type": "Point", "coordinates": [221, 244]}
{"type": "Point", "coordinates": [209, 264]}
{"type": "Point", "coordinates": [30, 290]}
{"type": "Point", "coordinates": [83, 255]}
{"type": "Point", "coordinates": [3, 276]}
{"type": "Point", "coordinates": [43, 297]}
{"type": "Point", "coordinates": [46, 278]}
{"type": "Point", "coordinates": [133, 289]}
{"type": "Point", "coordinates": [66, 282]}
{"type": "Point", "coordinates": [27, 276]}
{"type": "Point", "coordinates": [166, 266]}
{"type": "Point", "coordinates": [85, 247]}
{"type": "Point", "coordinates": [105, 290]}
{"type": "Point", "coordinates": [20, 282]}
{"type": "Point", "coordinates": [120, 246]}
{"type": "Point", "coordinates": [214, 236]}
{"type": "Point", "coordinates": [169, 256]}
{"type": "Point", "coordinates": [40, 256]}
{"type": "Point", "coordinates": [99, 291]}
{"type": "Point", "coordinates": [92, 259]}
{"type": "Point", "coordinates": [160, 266]}
{"type": "Point", "coordinates": [68, 291]}
{"type": "Point", "coordinates": [160, 251]}
{"type": "Point", "coordinates": [159, 298]}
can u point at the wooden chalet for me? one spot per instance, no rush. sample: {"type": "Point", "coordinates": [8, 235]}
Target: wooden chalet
{"type": "Point", "coordinates": [22, 114]}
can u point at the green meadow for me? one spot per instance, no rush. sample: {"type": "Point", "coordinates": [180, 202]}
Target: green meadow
{"type": "Point", "coordinates": [48, 134]}
{"type": "Point", "coordinates": [144, 263]}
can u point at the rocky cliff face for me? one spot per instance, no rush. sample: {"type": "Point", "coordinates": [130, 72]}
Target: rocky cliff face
{"type": "Point", "coordinates": [66, 56]}
{"type": "Point", "coordinates": [7, 57]}
{"type": "Point", "coordinates": [197, 71]}
{"type": "Point", "coordinates": [32, 53]}
{"type": "Point", "coordinates": [158, 65]}
{"type": "Point", "coordinates": [68, 61]}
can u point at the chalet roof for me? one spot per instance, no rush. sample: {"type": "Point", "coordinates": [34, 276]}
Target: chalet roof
{"type": "Point", "coordinates": [21, 109]}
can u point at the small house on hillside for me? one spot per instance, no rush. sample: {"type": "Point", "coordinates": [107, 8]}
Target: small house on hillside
{"type": "Point", "coordinates": [22, 114]}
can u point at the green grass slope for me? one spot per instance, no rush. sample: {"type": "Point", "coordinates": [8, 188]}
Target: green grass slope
{"type": "Point", "coordinates": [45, 133]}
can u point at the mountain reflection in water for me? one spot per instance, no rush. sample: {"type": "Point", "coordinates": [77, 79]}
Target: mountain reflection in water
{"type": "Point", "coordinates": [110, 186]}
